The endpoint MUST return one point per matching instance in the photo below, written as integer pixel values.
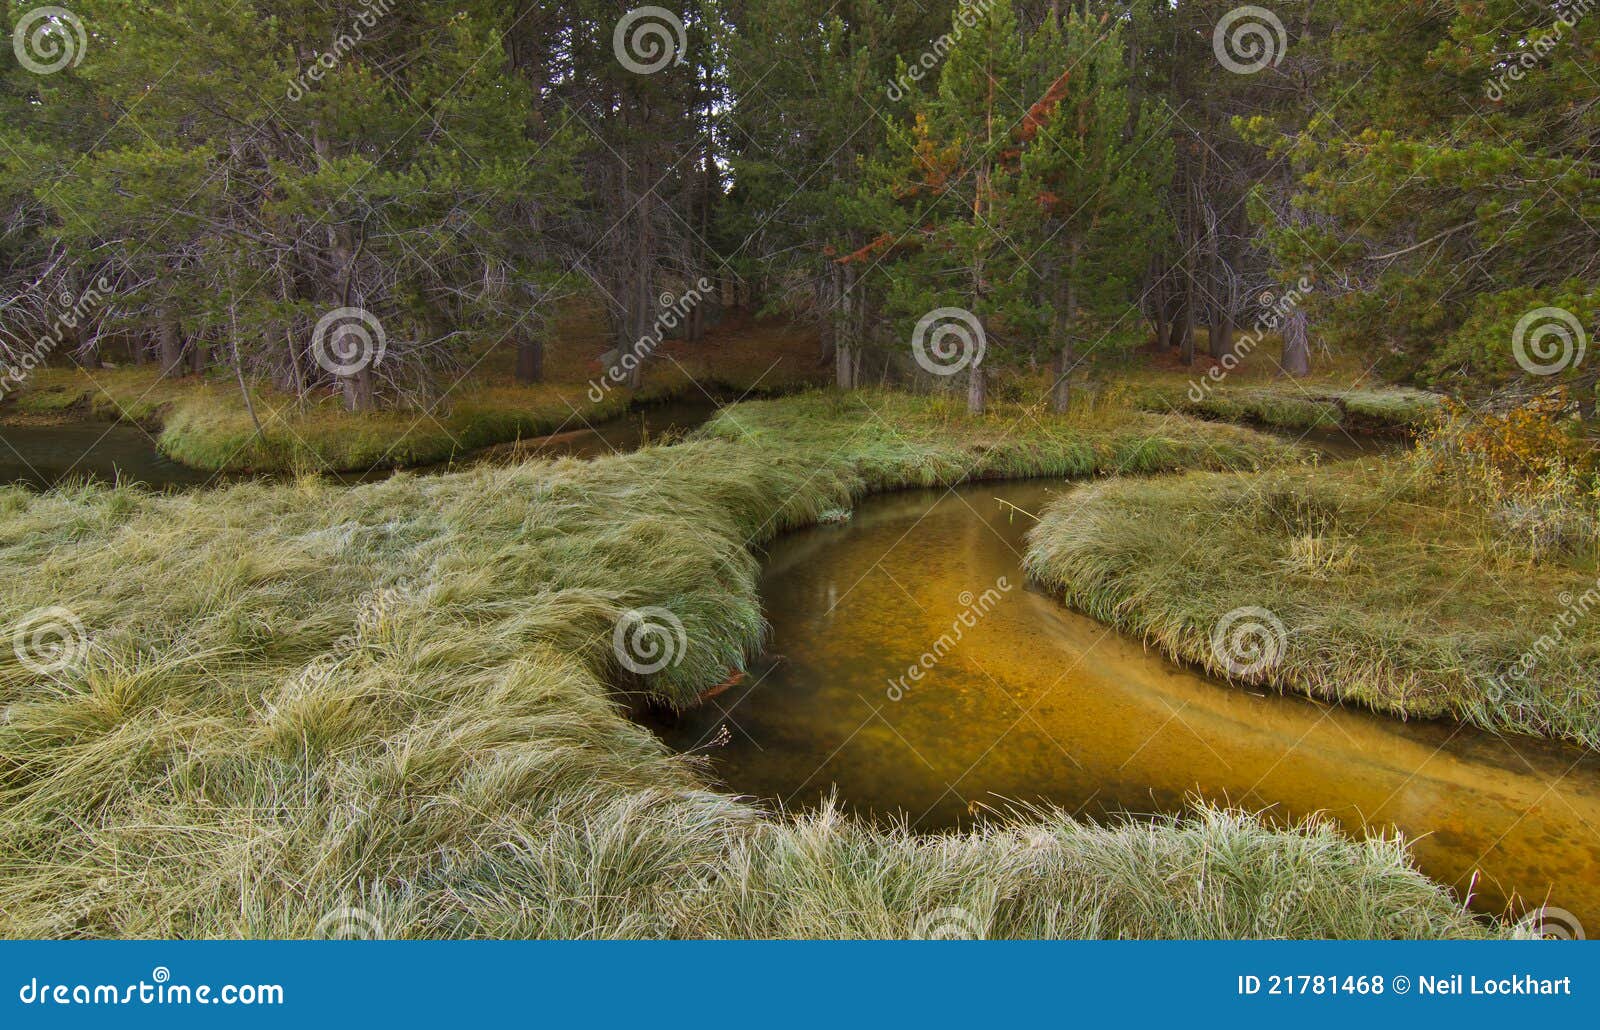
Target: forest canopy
(360, 198)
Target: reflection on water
(1038, 703)
(41, 456)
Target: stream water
(1034, 702)
(1038, 703)
(43, 455)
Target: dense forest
(362, 197)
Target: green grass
(1288, 404)
(204, 423)
(403, 697)
(1394, 591)
(1338, 392)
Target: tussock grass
(1395, 591)
(203, 423)
(403, 697)
(1255, 391)
(1287, 404)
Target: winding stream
(42, 456)
(1034, 702)
(1038, 703)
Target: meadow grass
(1395, 589)
(1338, 392)
(204, 423)
(404, 697)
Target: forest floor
(1390, 584)
(202, 422)
(280, 699)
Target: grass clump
(292, 698)
(1394, 587)
(204, 423)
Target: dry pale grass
(403, 697)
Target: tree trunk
(1066, 324)
(530, 357)
(1222, 333)
(1158, 308)
(356, 387)
(1186, 327)
(844, 366)
(977, 389)
(1296, 345)
(297, 372)
(1062, 395)
(171, 346)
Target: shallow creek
(1038, 703)
(43, 455)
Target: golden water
(1038, 703)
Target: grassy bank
(402, 697)
(1293, 405)
(1392, 589)
(204, 423)
(1255, 391)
